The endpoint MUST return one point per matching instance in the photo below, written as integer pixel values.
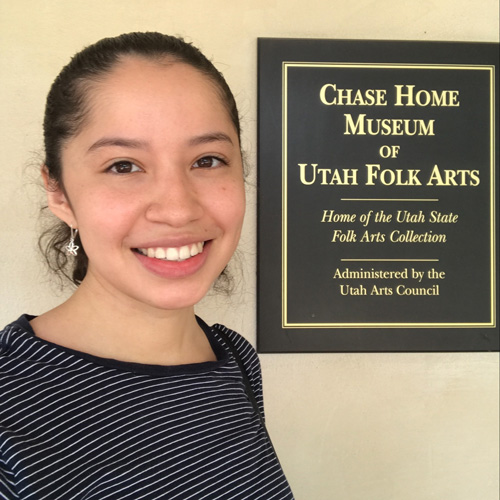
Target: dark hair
(67, 108)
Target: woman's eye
(209, 162)
(124, 167)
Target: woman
(121, 391)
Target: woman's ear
(56, 199)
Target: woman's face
(154, 184)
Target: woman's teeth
(171, 253)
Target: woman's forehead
(137, 72)
(144, 100)
(144, 80)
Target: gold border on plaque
(284, 235)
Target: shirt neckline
(138, 368)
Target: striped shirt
(73, 426)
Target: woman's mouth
(176, 254)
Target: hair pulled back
(67, 108)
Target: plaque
(377, 196)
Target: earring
(71, 248)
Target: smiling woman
(170, 177)
(125, 392)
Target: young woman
(121, 392)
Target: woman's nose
(174, 201)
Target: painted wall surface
(346, 426)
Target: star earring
(71, 248)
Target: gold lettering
(387, 126)
(330, 95)
(406, 96)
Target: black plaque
(378, 196)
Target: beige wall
(346, 426)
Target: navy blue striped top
(73, 426)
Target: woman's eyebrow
(210, 137)
(138, 144)
(119, 142)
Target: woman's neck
(98, 324)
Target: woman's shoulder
(11, 333)
(241, 344)
(228, 338)
(245, 351)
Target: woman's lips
(173, 253)
(173, 262)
